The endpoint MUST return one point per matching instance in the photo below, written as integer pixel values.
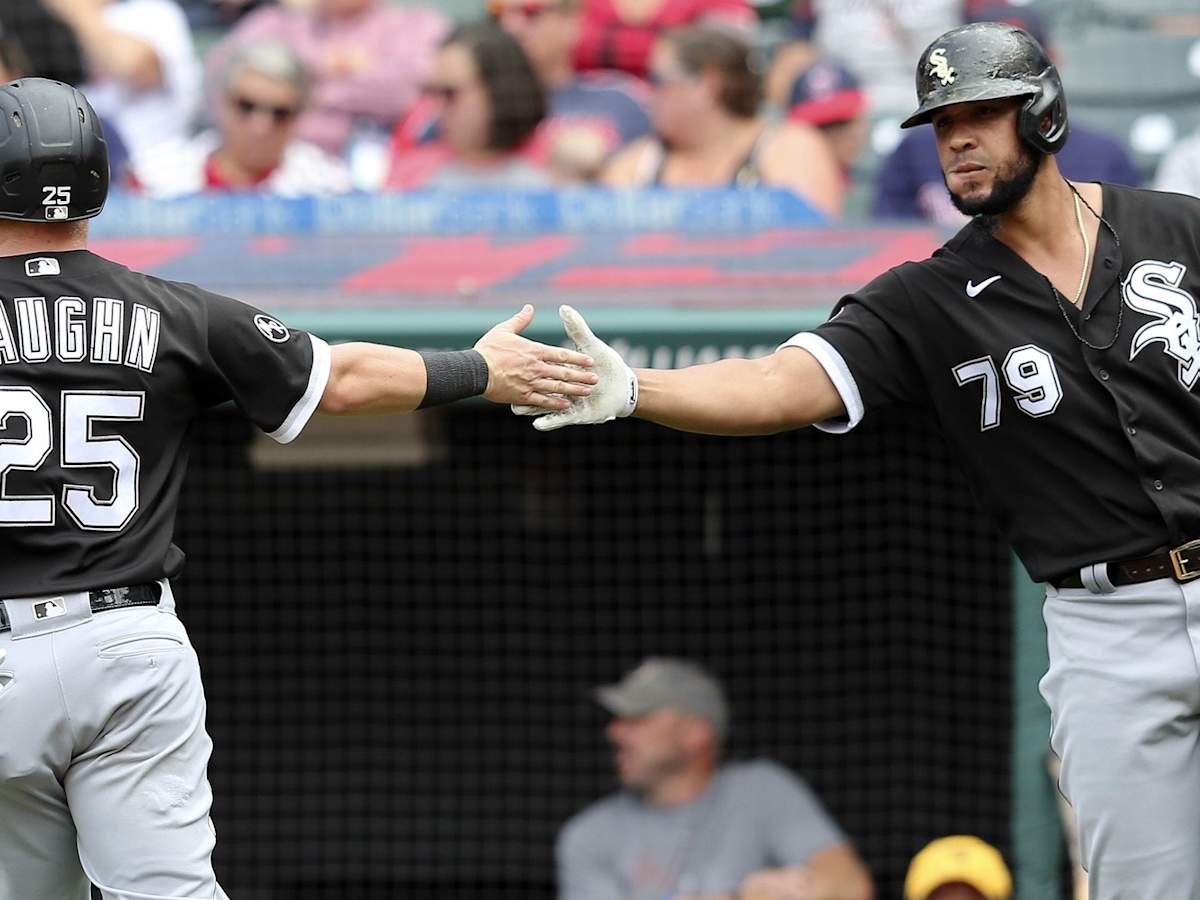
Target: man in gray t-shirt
(687, 828)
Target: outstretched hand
(524, 372)
(616, 391)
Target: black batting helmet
(990, 61)
(53, 158)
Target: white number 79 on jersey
(1031, 375)
(80, 448)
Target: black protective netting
(398, 658)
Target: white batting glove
(614, 396)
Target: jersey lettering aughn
(102, 371)
(1083, 454)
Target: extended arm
(110, 51)
(835, 873)
(369, 379)
(788, 389)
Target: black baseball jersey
(1083, 454)
(102, 372)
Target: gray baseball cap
(661, 682)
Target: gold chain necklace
(1087, 255)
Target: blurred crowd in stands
(312, 97)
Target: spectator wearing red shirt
(263, 92)
(489, 103)
(592, 114)
(710, 132)
(367, 59)
(620, 34)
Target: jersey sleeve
(865, 349)
(276, 375)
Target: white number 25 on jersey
(80, 447)
(1031, 375)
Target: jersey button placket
(1158, 485)
(1103, 375)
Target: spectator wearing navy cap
(911, 184)
(829, 97)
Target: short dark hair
(517, 97)
(702, 48)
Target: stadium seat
(1103, 65)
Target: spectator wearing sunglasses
(367, 60)
(710, 132)
(263, 93)
(489, 104)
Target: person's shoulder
(791, 134)
(595, 818)
(628, 167)
(760, 774)
(1135, 201)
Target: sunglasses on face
(280, 115)
(447, 93)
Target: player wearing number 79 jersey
(1055, 342)
(103, 751)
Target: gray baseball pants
(103, 756)
(1124, 695)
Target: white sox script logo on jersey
(1152, 287)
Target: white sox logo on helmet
(940, 66)
(1152, 287)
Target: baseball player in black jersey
(1054, 341)
(103, 751)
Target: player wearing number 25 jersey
(103, 751)
(1055, 341)
(108, 368)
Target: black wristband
(453, 375)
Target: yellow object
(959, 858)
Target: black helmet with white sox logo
(991, 61)
(53, 158)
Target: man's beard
(1009, 188)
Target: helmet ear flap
(1048, 101)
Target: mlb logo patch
(48, 609)
(43, 265)
(56, 213)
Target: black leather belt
(1181, 563)
(108, 599)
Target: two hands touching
(613, 392)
